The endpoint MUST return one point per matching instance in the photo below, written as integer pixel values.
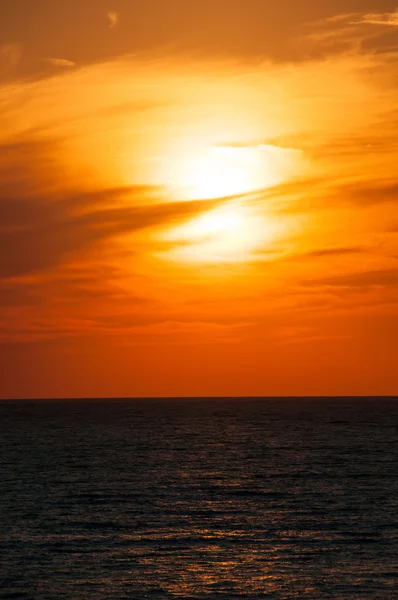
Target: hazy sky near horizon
(198, 198)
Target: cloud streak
(38, 235)
(379, 278)
(384, 19)
(62, 63)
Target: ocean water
(199, 498)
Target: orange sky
(198, 198)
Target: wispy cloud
(329, 252)
(355, 32)
(62, 63)
(363, 279)
(11, 54)
(38, 233)
(389, 19)
(113, 18)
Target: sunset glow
(228, 234)
(196, 203)
(226, 171)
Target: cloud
(113, 19)
(385, 278)
(11, 54)
(329, 252)
(62, 63)
(81, 211)
(354, 32)
(38, 234)
(373, 192)
(17, 295)
(386, 19)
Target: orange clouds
(96, 245)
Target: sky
(198, 198)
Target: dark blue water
(199, 499)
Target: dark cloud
(334, 251)
(326, 252)
(285, 255)
(372, 193)
(38, 234)
(364, 279)
(42, 225)
(12, 295)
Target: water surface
(199, 498)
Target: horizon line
(207, 397)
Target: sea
(212, 498)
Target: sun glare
(222, 171)
(227, 234)
(218, 174)
(234, 231)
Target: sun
(217, 174)
(235, 229)
(230, 233)
(220, 171)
